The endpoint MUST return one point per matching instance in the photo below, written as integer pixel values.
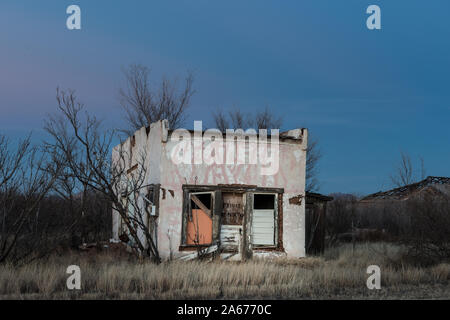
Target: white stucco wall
(171, 176)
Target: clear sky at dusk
(364, 94)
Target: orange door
(199, 230)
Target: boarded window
(263, 219)
(199, 222)
(233, 208)
(232, 218)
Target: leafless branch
(25, 179)
(404, 173)
(145, 104)
(266, 119)
(82, 148)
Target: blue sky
(364, 94)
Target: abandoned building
(239, 209)
(433, 186)
(387, 211)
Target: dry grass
(341, 273)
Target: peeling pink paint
(290, 177)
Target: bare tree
(26, 176)
(266, 119)
(404, 173)
(85, 209)
(341, 219)
(313, 156)
(237, 119)
(221, 121)
(83, 149)
(145, 104)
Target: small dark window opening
(151, 195)
(205, 199)
(264, 201)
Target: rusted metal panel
(297, 200)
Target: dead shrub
(427, 233)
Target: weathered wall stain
(161, 170)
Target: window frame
(187, 211)
(189, 215)
(276, 218)
(248, 191)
